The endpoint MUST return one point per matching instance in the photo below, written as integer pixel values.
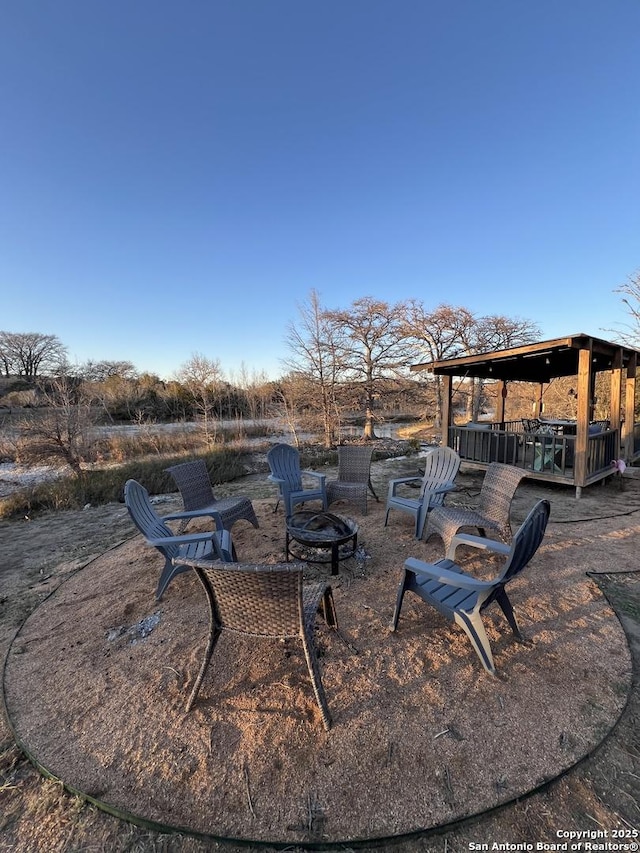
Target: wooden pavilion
(576, 453)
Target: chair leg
(168, 573)
(399, 598)
(421, 520)
(328, 608)
(386, 518)
(502, 600)
(214, 633)
(472, 625)
(316, 680)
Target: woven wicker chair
(284, 464)
(192, 479)
(462, 597)
(264, 601)
(213, 545)
(441, 469)
(493, 512)
(354, 476)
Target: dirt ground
(421, 736)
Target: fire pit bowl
(322, 536)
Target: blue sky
(176, 177)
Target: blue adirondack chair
(441, 469)
(212, 545)
(284, 463)
(461, 597)
(192, 479)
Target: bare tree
(202, 377)
(452, 331)
(61, 433)
(373, 345)
(257, 391)
(286, 405)
(497, 332)
(29, 354)
(630, 332)
(315, 343)
(442, 333)
(99, 371)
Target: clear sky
(175, 177)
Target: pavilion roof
(538, 362)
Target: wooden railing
(543, 453)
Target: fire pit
(324, 537)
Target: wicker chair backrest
(498, 488)
(263, 600)
(192, 478)
(354, 463)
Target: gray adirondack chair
(354, 476)
(461, 597)
(212, 545)
(493, 511)
(264, 601)
(441, 468)
(284, 464)
(192, 479)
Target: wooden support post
(446, 409)
(628, 427)
(616, 398)
(539, 403)
(501, 400)
(585, 370)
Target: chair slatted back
(143, 515)
(146, 519)
(531, 424)
(441, 466)
(192, 478)
(284, 463)
(526, 540)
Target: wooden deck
(545, 457)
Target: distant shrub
(105, 485)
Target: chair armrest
(196, 513)
(439, 572)
(184, 539)
(405, 480)
(273, 479)
(480, 542)
(399, 481)
(320, 477)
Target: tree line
(338, 360)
